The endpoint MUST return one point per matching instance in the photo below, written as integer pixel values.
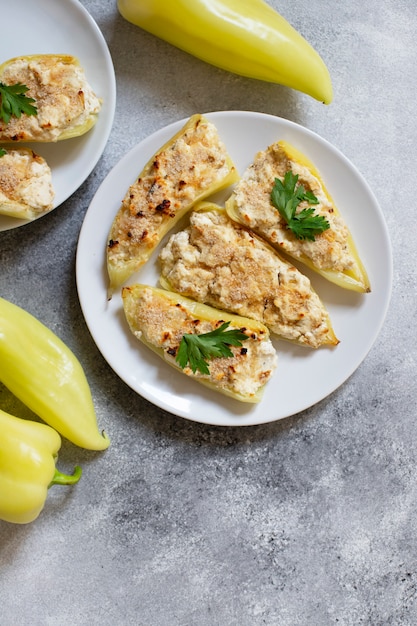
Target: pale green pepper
(28, 453)
(40, 370)
(247, 37)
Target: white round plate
(51, 27)
(304, 376)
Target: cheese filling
(218, 262)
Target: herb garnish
(14, 102)
(286, 196)
(2, 152)
(197, 349)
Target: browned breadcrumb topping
(11, 177)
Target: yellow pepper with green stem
(40, 370)
(28, 453)
(246, 37)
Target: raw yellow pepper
(28, 453)
(246, 37)
(40, 370)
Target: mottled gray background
(305, 522)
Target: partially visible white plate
(303, 377)
(65, 27)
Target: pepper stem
(66, 479)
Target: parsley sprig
(198, 349)
(2, 152)
(286, 196)
(14, 102)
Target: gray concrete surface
(308, 521)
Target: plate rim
(234, 420)
(100, 138)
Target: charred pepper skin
(40, 370)
(246, 37)
(28, 453)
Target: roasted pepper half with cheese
(246, 37)
(192, 165)
(282, 197)
(45, 98)
(40, 370)
(228, 353)
(28, 453)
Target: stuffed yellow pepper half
(228, 353)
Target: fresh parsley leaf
(306, 224)
(2, 152)
(196, 350)
(286, 196)
(14, 102)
